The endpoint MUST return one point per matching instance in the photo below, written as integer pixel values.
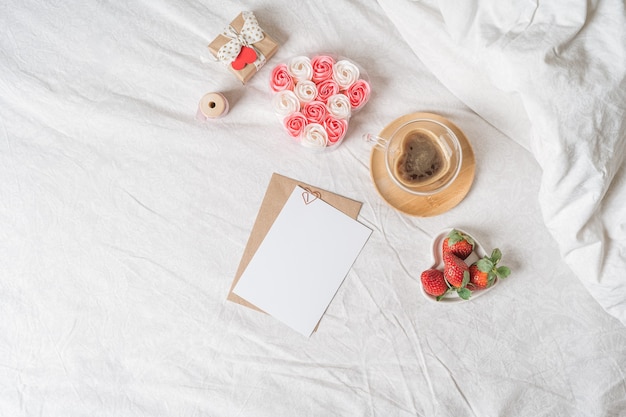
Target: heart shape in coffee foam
(478, 253)
(246, 56)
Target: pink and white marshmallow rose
(322, 66)
(281, 79)
(315, 98)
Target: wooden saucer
(416, 205)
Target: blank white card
(302, 261)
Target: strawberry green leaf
(454, 236)
(464, 293)
(496, 255)
(503, 271)
(485, 264)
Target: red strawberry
(454, 269)
(456, 273)
(458, 243)
(434, 283)
(478, 279)
(484, 272)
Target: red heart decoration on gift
(246, 56)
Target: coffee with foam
(422, 156)
(421, 160)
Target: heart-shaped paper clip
(310, 196)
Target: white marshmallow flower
(345, 73)
(314, 136)
(306, 91)
(339, 106)
(300, 68)
(285, 103)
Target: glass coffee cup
(422, 157)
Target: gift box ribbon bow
(239, 51)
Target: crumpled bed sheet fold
(551, 75)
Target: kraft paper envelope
(302, 261)
(277, 194)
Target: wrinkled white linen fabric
(552, 76)
(123, 220)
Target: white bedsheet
(123, 220)
(553, 77)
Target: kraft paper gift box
(233, 46)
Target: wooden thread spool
(212, 106)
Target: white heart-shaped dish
(478, 253)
